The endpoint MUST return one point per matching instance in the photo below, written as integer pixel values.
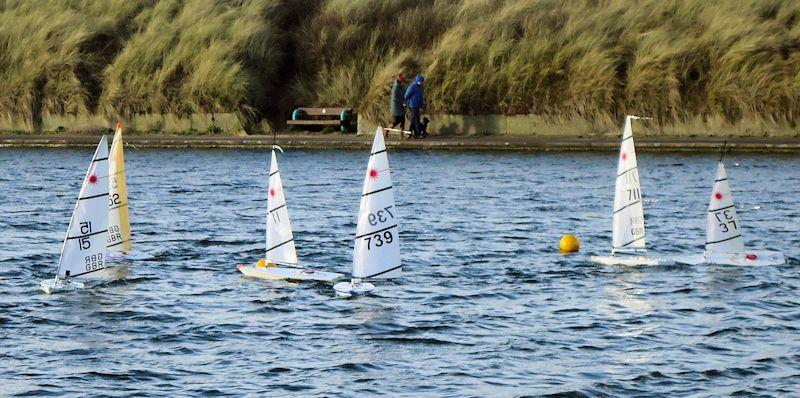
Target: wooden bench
(342, 117)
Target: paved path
(532, 143)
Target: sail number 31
(725, 221)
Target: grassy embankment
(728, 67)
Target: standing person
(398, 104)
(415, 97)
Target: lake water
(486, 306)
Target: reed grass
(593, 60)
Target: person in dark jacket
(415, 98)
(398, 104)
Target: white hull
(692, 259)
(296, 274)
(350, 289)
(53, 286)
(631, 260)
(750, 258)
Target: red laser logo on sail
(272, 192)
(718, 196)
(373, 174)
(93, 179)
(624, 156)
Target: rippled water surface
(486, 306)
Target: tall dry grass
(593, 60)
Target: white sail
(119, 224)
(377, 244)
(84, 249)
(628, 228)
(722, 228)
(280, 242)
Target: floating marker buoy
(261, 263)
(569, 244)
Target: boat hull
(55, 286)
(296, 274)
(350, 289)
(631, 261)
(695, 259)
(750, 258)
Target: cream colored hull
(295, 274)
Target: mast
(84, 249)
(628, 217)
(280, 240)
(376, 253)
(119, 224)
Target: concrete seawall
(351, 141)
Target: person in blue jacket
(415, 98)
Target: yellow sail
(119, 223)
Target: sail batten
(84, 249)
(376, 253)
(280, 241)
(119, 221)
(628, 215)
(723, 232)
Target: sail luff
(628, 217)
(723, 232)
(280, 240)
(84, 248)
(119, 224)
(376, 252)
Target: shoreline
(352, 141)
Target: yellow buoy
(569, 244)
(261, 263)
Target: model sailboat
(377, 244)
(280, 241)
(628, 217)
(119, 221)
(83, 253)
(724, 242)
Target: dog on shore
(424, 125)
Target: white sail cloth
(84, 250)
(628, 221)
(119, 223)
(722, 226)
(280, 242)
(628, 218)
(724, 241)
(377, 244)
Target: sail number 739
(379, 239)
(380, 216)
